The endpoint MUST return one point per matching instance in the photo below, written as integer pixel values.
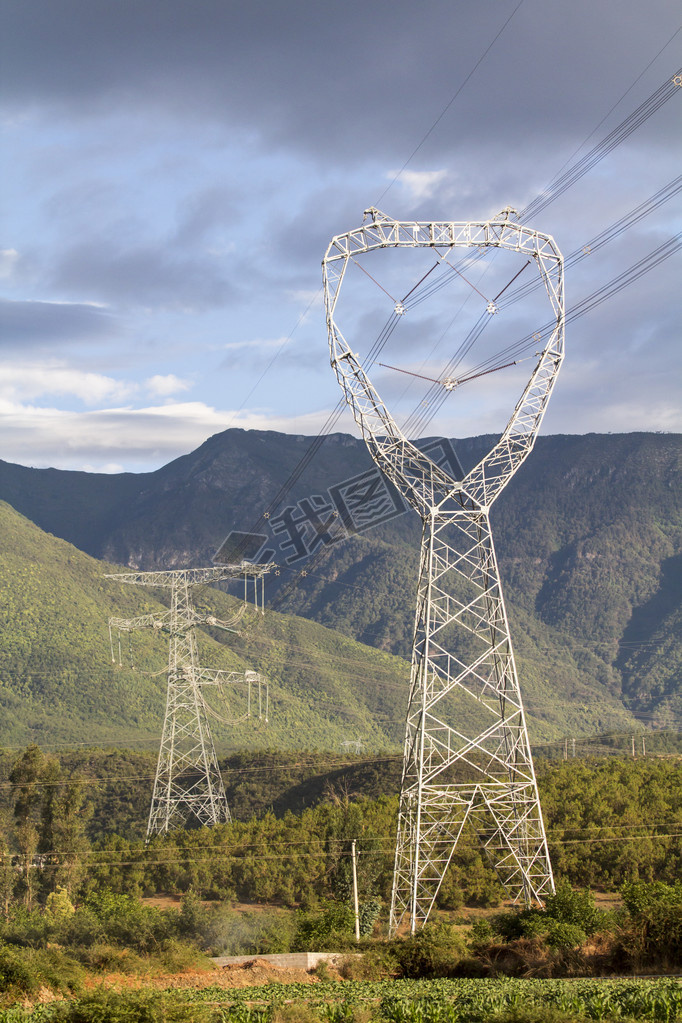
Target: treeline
(117, 784)
(608, 822)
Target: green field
(439, 1001)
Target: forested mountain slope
(588, 535)
(58, 682)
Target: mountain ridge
(588, 536)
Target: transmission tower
(188, 785)
(466, 755)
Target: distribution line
(238, 856)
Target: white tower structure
(467, 756)
(188, 786)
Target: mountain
(588, 536)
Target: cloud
(151, 275)
(8, 261)
(420, 184)
(141, 439)
(44, 323)
(187, 165)
(283, 71)
(258, 343)
(163, 386)
(20, 383)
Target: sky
(174, 172)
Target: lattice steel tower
(188, 785)
(466, 754)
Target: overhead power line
(565, 181)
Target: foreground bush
(24, 971)
(434, 951)
(130, 1007)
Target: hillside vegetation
(83, 919)
(58, 682)
(588, 535)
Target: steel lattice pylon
(462, 664)
(188, 785)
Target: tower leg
(467, 756)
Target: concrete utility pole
(356, 906)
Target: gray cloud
(176, 157)
(359, 78)
(46, 323)
(151, 275)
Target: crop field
(426, 1001)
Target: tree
(64, 841)
(6, 876)
(26, 777)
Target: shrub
(565, 936)
(83, 928)
(378, 962)
(193, 921)
(653, 938)
(570, 906)
(434, 951)
(108, 958)
(15, 972)
(58, 906)
(256, 933)
(27, 928)
(176, 956)
(126, 921)
(368, 915)
(25, 970)
(130, 1007)
(640, 895)
(482, 933)
(327, 931)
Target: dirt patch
(250, 974)
(162, 901)
(175, 901)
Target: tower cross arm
(192, 576)
(150, 621)
(218, 677)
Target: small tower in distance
(188, 787)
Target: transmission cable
(565, 181)
(448, 105)
(619, 134)
(594, 244)
(590, 302)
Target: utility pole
(188, 786)
(451, 773)
(356, 907)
